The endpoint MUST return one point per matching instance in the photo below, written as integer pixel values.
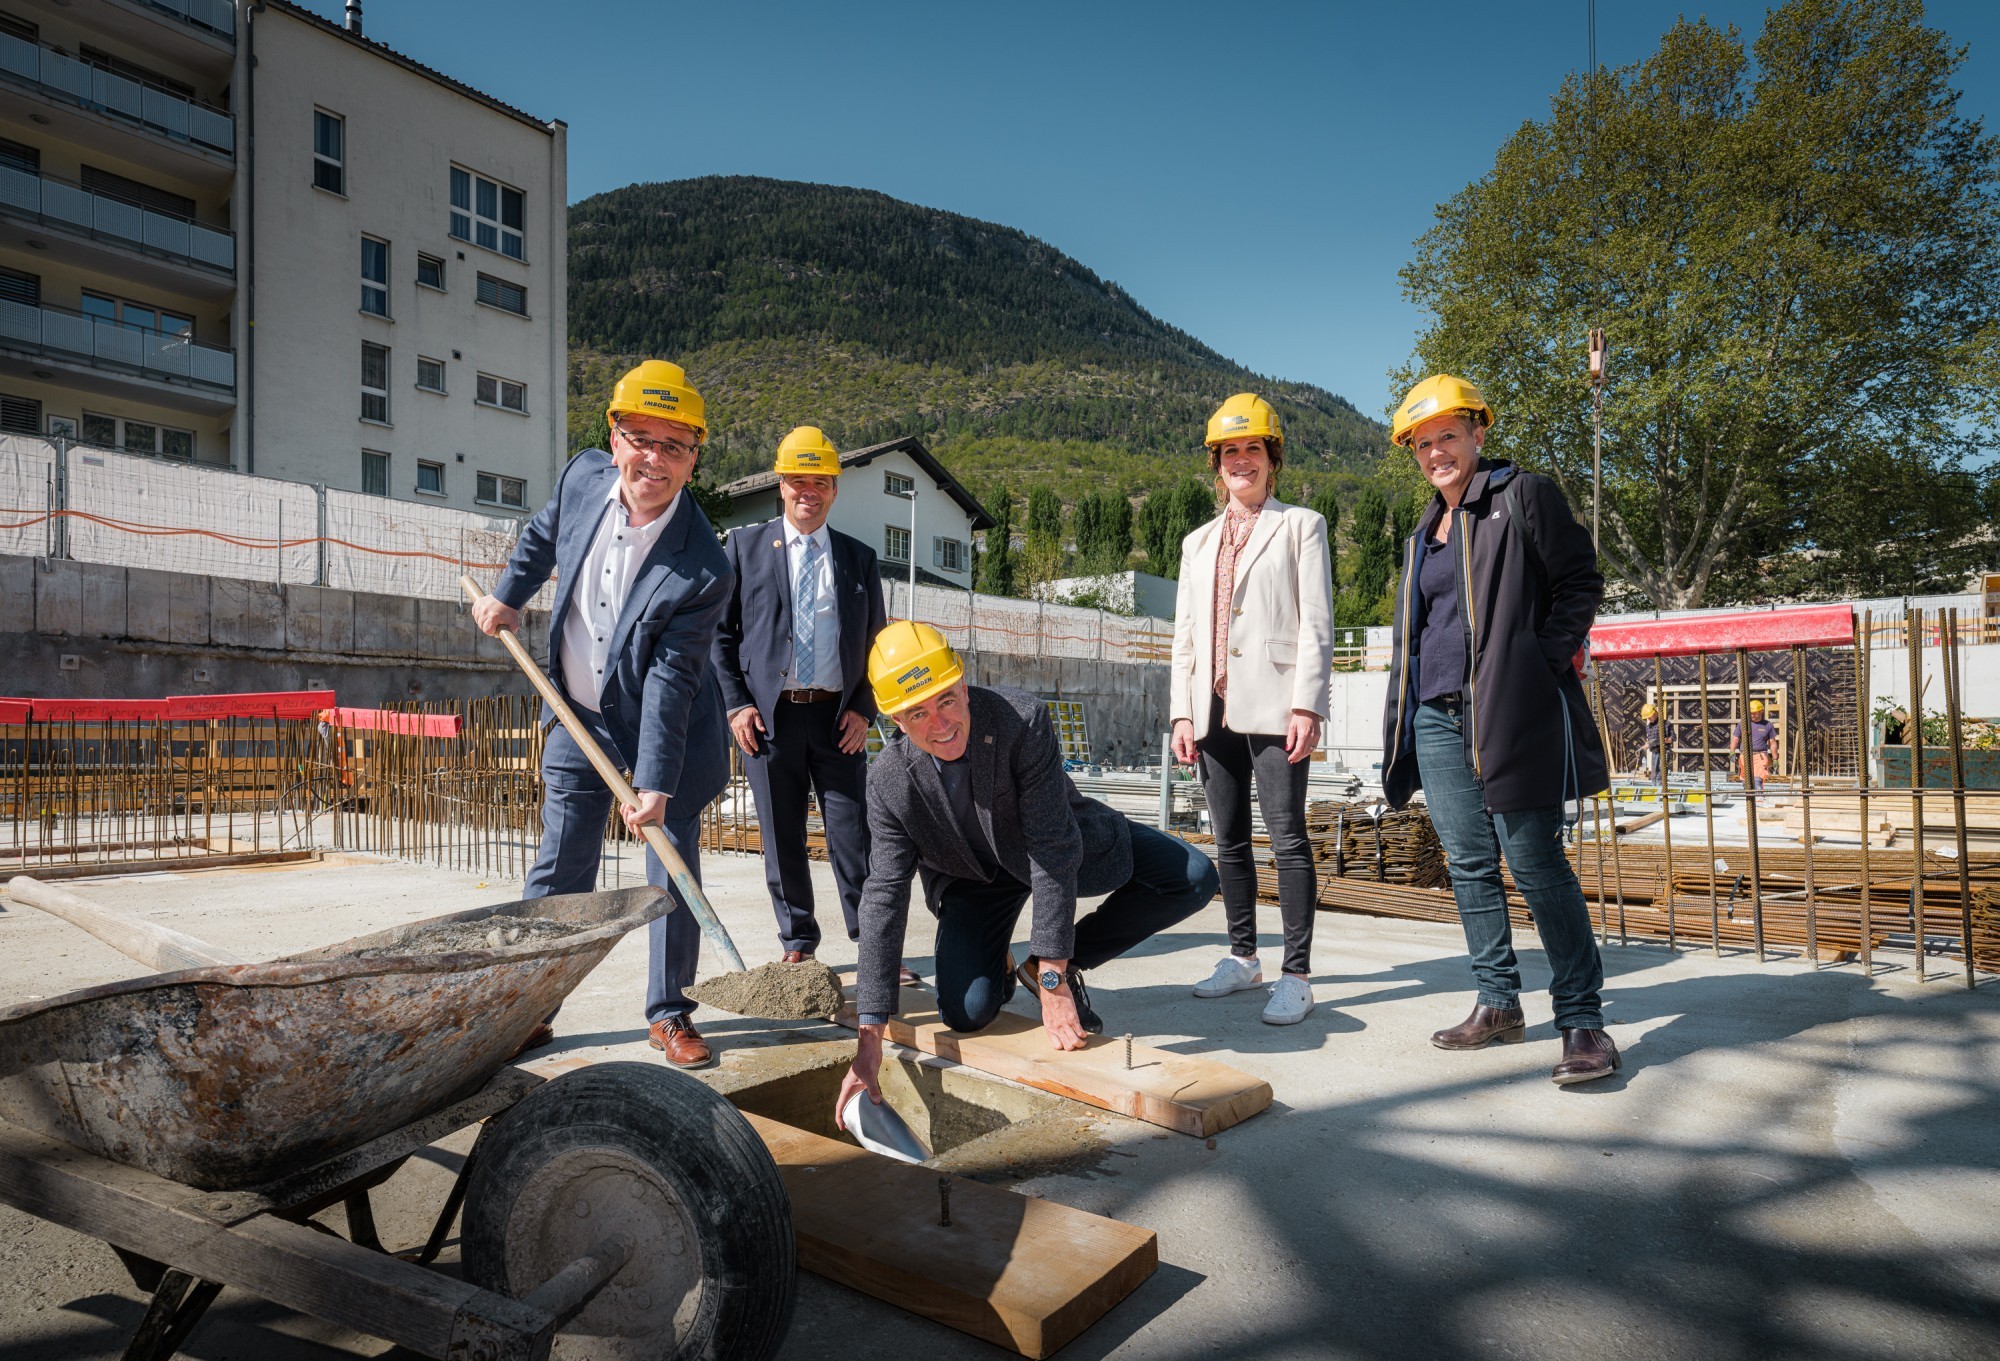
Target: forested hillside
(792, 303)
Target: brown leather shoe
(796, 956)
(1587, 1056)
(683, 1045)
(1483, 1027)
(908, 976)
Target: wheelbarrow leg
(361, 1223)
(171, 1317)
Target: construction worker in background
(972, 797)
(641, 583)
(1650, 764)
(1491, 721)
(791, 654)
(1757, 768)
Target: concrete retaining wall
(91, 631)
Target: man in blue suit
(641, 583)
(792, 658)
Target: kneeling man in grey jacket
(973, 797)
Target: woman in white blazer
(1253, 658)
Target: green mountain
(798, 304)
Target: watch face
(1050, 980)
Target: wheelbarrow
(194, 1120)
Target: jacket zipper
(1403, 674)
(1462, 532)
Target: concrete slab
(444, 631)
(319, 619)
(385, 626)
(58, 599)
(1794, 1163)
(246, 614)
(190, 612)
(17, 587)
(148, 604)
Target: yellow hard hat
(1438, 395)
(1648, 711)
(657, 388)
(1245, 416)
(909, 663)
(808, 450)
(1756, 706)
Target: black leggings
(1228, 762)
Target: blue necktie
(805, 609)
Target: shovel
(621, 790)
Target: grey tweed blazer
(1045, 834)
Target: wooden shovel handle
(157, 947)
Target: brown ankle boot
(1484, 1026)
(1587, 1056)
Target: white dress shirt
(826, 620)
(603, 580)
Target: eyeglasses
(646, 444)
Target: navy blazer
(660, 702)
(753, 647)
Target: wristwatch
(1050, 980)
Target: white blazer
(1281, 630)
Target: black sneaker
(1028, 972)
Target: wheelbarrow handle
(153, 945)
(621, 788)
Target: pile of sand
(805, 991)
(485, 933)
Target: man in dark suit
(640, 585)
(973, 797)
(792, 658)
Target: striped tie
(805, 608)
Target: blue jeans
(1474, 840)
(576, 811)
(1170, 882)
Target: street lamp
(1597, 357)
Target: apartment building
(243, 235)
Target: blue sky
(1253, 173)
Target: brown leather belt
(808, 696)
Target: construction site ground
(1792, 1164)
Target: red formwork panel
(258, 704)
(14, 710)
(96, 710)
(392, 721)
(1750, 630)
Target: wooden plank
(1181, 1092)
(105, 869)
(1020, 1272)
(156, 946)
(286, 1263)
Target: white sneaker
(1291, 1001)
(1232, 974)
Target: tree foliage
(1374, 548)
(1102, 524)
(1795, 264)
(1044, 516)
(1169, 516)
(996, 564)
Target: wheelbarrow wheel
(636, 1152)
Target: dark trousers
(1229, 760)
(576, 808)
(802, 755)
(1474, 841)
(1170, 882)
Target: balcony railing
(149, 106)
(216, 16)
(106, 344)
(48, 199)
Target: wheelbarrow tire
(655, 1157)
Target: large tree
(1797, 264)
(996, 564)
(1169, 516)
(1102, 523)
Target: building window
(20, 415)
(495, 490)
(430, 374)
(898, 485)
(502, 392)
(430, 272)
(137, 437)
(895, 544)
(329, 152)
(106, 184)
(487, 214)
(430, 478)
(375, 383)
(374, 276)
(948, 554)
(503, 295)
(374, 473)
(137, 316)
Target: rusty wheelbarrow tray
(194, 1120)
(235, 1075)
